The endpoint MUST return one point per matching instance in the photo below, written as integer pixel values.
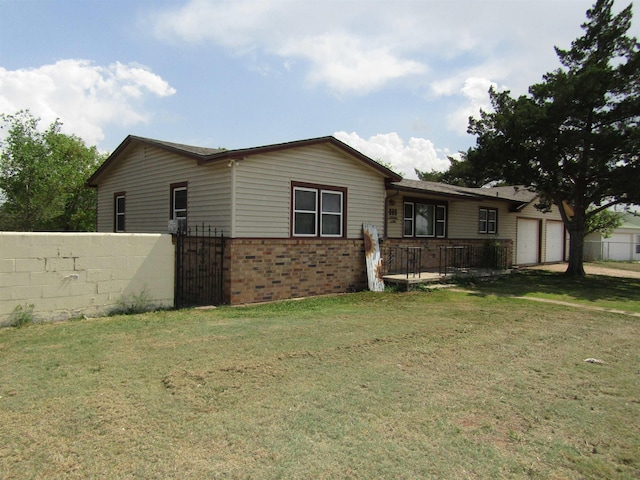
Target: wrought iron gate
(199, 267)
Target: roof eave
(92, 181)
(420, 191)
(244, 152)
(241, 153)
(515, 205)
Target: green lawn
(617, 293)
(392, 385)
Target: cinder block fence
(68, 275)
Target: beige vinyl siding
(145, 174)
(464, 219)
(263, 189)
(395, 225)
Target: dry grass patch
(418, 385)
(628, 266)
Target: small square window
(488, 220)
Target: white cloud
(229, 23)
(360, 61)
(347, 64)
(475, 94)
(362, 46)
(84, 96)
(418, 153)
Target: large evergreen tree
(575, 138)
(42, 178)
(461, 172)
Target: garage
(554, 242)
(527, 241)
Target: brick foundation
(431, 248)
(261, 270)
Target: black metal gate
(199, 267)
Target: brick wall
(275, 269)
(431, 248)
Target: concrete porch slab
(430, 277)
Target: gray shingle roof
(204, 151)
(205, 155)
(512, 194)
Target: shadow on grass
(593, 288)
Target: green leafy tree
(575, 138)
(42, 177)
(604, 222)
(429, 176)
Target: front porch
(434, 277)
(409, 265)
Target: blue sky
(395, 79)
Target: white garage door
(554, 246)
(528, 241)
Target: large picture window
(318, 211)
(119, 212)
(488, 220)
(425, 220)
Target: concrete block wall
(277, 269)
(67, 275)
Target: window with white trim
(488, 220)
(119, 212)
(318, 211)
(179, 203)
(425, 220)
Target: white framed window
(408, 220)
(305, 212)
(179, 203)
(331, 213)
(119, 204)
(318, 211)
(488, 220)
(441, 221)
(425, 220)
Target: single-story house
(622, 245)
(292, 213)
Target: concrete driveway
(590, 270)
